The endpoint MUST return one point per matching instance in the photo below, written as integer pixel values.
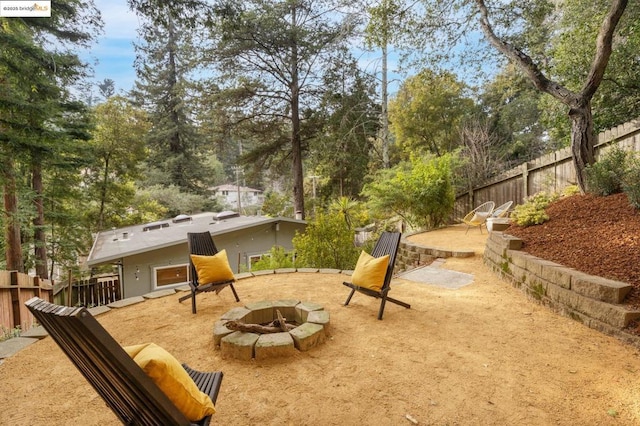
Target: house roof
(110, 246)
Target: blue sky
(112, 57)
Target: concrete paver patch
(36, 332)
(14, 345)
(435, 275)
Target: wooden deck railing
(16, 288)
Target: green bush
(8, 333)
(570, 190)
(328, 242)
(277, 205)
(421, 192)
(532, 211)
(631, 185)
(606, 176)
(277, 258)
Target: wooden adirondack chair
(201, 243)
(387, 244)
(125, 387)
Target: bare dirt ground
(479, 355)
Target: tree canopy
(427, 111)
(274, 94)
(277, 53)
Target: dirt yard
(478, 355)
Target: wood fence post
(15, 299)
(93, 292)
(525, 180)
(69, 290)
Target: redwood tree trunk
(39, 237)
(13, 253)
(583, 140)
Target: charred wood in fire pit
(282, 322)
(275, 326)
(256, 328)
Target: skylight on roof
(226, 215)
(155, 225)
(181, 218)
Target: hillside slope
(596, 235)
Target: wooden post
(69, 290)
(525, 181)
(15, 299)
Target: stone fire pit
(311, 322)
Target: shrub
(276, 205)
(421, 192)
(606, 176)
(532, 211)
(631, 185)
(328, 242)
(570, 190)
(8, 333)
(277, 258)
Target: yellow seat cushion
(212, 269)
(169, 375)
(370, 271)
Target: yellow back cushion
(167, 373)
(212, 269)
(370, 271)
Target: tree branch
(604, 44)
(524, 61)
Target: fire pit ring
(312, 325)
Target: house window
(165, 276)
(255, 258)
(225, 193)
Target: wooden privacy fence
(552, 172)
(95, 291)
(15, 289)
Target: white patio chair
(478, 216)
(502, 210)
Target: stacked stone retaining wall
(594, 301)
(412, 255)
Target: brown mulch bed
(596, 235)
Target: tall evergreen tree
(164, 88)
(345, 150)
(277, 52)
(384, 19)
(38, 124)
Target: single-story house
(155, 256)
